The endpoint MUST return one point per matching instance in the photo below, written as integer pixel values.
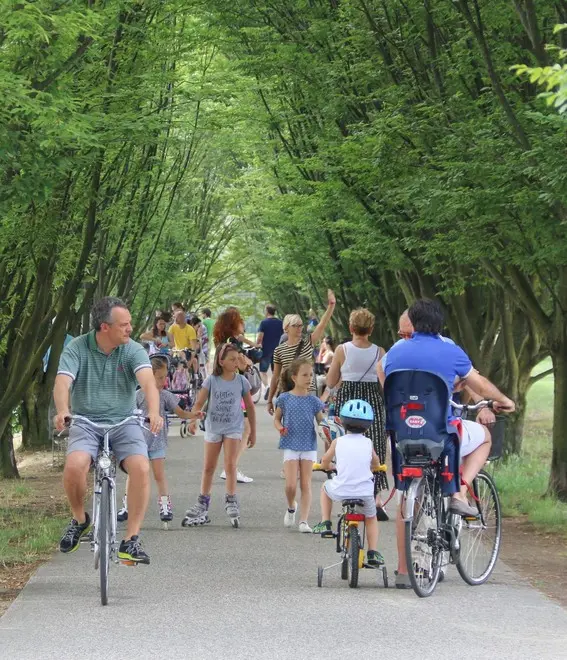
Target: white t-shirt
(354, 474)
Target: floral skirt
(372, 394)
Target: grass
(522, 480)
(31, 519)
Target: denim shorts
(158, 453)
(128, 440)
(369, 507)
(216, 437)
(265, 363)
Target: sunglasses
(296, 325)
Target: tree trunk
(514, 434)
(35, 416)
(8, 467)
(558, 475)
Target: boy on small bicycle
(355, 460)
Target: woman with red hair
(229, 329)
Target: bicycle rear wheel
(423, 539)
(354, 553)
(480, 539)
(104, 539)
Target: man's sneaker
(75, 531)
(165, 508)
(289, 518)
(402, 581)
(374, 558)
(131, 550)
(123, 513)
(324, 528)
(232, 509)
(198, 514)
(304, 527)
(243, 479)
(464, 509)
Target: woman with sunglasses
(297, 346)
(355, 366)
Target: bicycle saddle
(352, 502)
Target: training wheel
(320, 576)
(385, 576)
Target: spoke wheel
(104, 540)
(353, 555)
(480, 539)
(422, 540)
(256, 397)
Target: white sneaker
(223, 474)
(289, 518)
(304, 528)
(242, 478)
(282, 474)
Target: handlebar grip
(317, 466)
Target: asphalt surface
(217, 592)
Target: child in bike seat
(355, 460)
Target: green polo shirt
(104, 386)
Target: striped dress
(369, 390)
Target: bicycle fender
(409, 500)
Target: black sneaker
(75, 531)
(131, 550)
(374, 558)
(325, 529)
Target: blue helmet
(357, 413)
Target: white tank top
(360, 363)
(354, 475)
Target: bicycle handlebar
(485, 403)
(317, 467)
(104, 427)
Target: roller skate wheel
(126, 562)
(320, 576)
(385, 576)
(165, 525)
(235, 522)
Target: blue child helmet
(357, 413)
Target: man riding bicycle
(102, 369)
(427, 350)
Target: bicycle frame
(105, 470)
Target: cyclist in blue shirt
(427, 351)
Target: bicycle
(350, 539)
(432, 530)
(103, 534)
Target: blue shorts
(266, 361)
(158, 453)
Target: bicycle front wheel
(480, 539)
(104, 540)
(423, 539)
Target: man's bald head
(405, 327)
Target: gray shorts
(368, 508)
(128, 440)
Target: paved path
(215, 592)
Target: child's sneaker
(122, 515)
(165, 508)
(325, 529)
(289, 518)
(374, 558)
(232, 510)
(304, 527)
(198, 514)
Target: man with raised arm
(101, 370)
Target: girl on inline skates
(296, 411)
(157, 444)
(224, 427)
